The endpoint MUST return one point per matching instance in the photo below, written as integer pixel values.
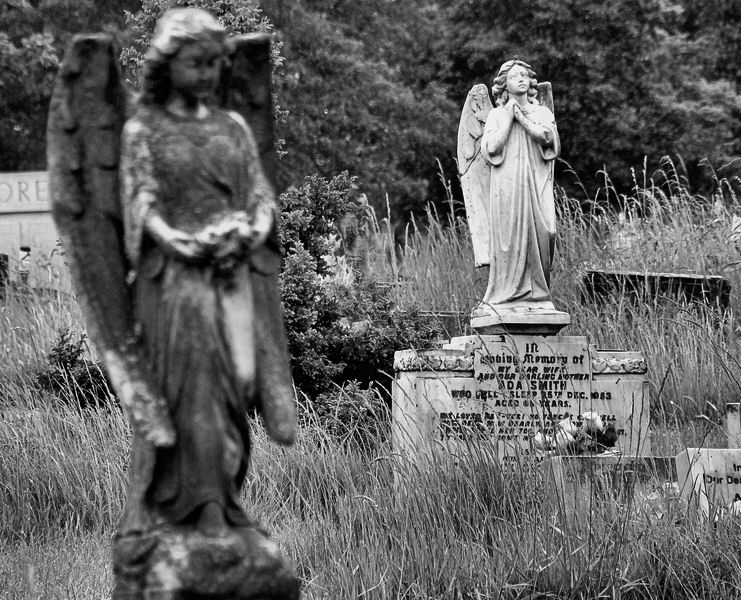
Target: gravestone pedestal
(520, 319)
(506, 390)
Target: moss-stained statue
(168, 220)
(505, 160)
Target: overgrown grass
(358, 521)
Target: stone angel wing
(86, 115)
(246, 89)
(545, 95)
(473, 169)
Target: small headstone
(28, 237)
(711, 478)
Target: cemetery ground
(360, 523)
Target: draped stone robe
(196, 320)
(522, 212)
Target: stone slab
(583, 468)
(521, 321)
(620, 396)
(639, 286)
(26, 221)
(575, 483)
(711, 479)
(505, 389)
(180, 562)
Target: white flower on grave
(567, 425)
(592, 422)
(542, 441)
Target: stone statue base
(533, 318)
(181, 563)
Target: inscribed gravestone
(712, 477)
(507, 389)
(516, 385)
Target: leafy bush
(337, 331)
(72, 378)
(371, 327)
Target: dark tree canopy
(628, 81)
(375, 87)
(34, 35)
(362, 93)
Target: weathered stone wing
(246, 89)
(545, 95)
(474, 170)
(86, 117)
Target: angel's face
(195, 70)
(518, 80)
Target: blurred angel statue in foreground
(181, 293)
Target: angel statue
(505, 160)
(169, 223)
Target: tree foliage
(237, 16)
(375, 87)
(33, 37)
(337, 330)
(626, 77)
(360, 89)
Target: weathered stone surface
(710, 478)
(182, 563)
(521, 320)
(25, 221)
(733, 424)
(575, 483)
(643, 286)
(619, 392)
(508, 389)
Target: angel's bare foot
(211, 520)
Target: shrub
(337, 330)
(72, 378)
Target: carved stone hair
(499, 83)
(174, 29)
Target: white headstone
(711, 477)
